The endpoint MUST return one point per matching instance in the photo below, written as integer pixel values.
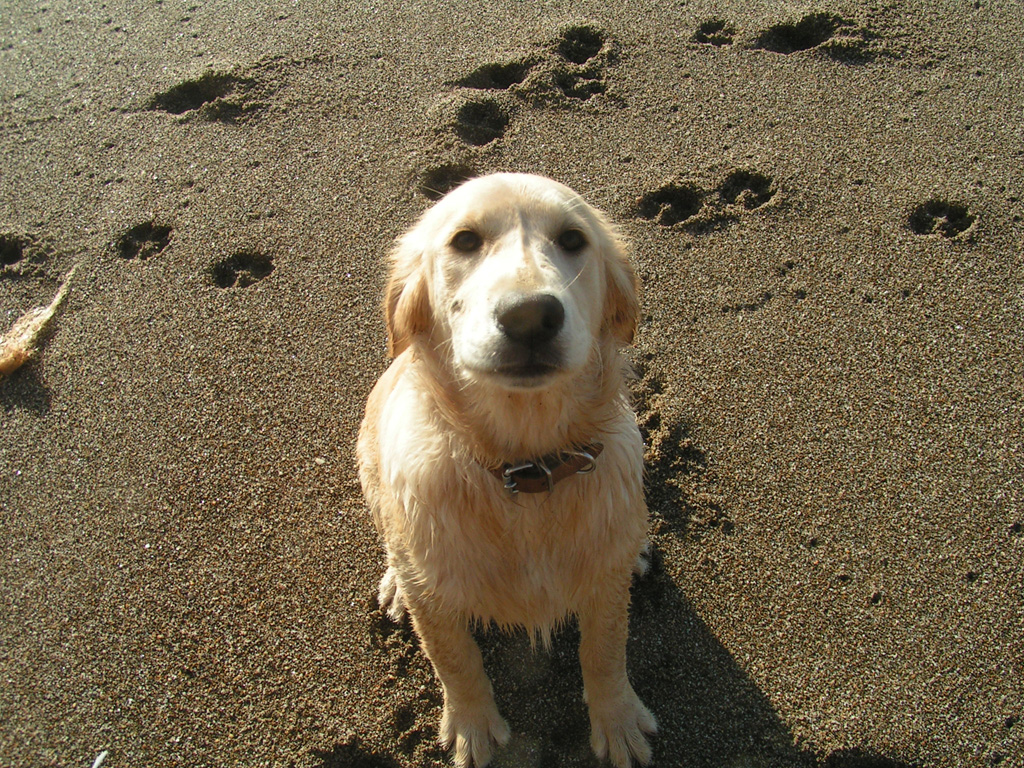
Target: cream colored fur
(461, 551)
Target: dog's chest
(531, 558)
(462, 541)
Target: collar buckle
(541, 474)
(511, 470)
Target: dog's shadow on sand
(709, 712)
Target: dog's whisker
(577, 276)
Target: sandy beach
(824, 202)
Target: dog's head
(514, 279)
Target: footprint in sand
(242, 269)
(827, 33)
(438, 182)
(497, 77)
(580, 44)
(143, 241)
(755, 305)
(714, 32)
(940, 217)
(12, 248)
(23, 255)
(407, 727)
(480, 122)
(580, 73)
(749, 189)
(213, 96)
(572, 67)
(670, 454)
(580, 85)
(671, 204)
(786, 283)
(685, 203)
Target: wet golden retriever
(499, 453)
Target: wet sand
(825, 208)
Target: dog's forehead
(502, 196)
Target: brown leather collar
(541, 474)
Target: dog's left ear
(621, 307)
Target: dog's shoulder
(403, 434)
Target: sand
(825, 206)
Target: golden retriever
(499, 453)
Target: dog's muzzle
(530, 325)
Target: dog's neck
(500, 425)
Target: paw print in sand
(143, 241)
(940, 217)
(213, 97)
(242, 269)
(714, 32)
(827, 33)
(684, 203)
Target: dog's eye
(466, 241)
(572, 240)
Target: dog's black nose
(531, 320)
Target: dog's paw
(643, 560)
(472, 731)
(617, 730)
(390, 597)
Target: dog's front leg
(470, 721)
(618, 719)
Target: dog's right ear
(406, 298)
(622, 308)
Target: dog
(499, 453)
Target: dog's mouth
(526, 370)
(531, 374)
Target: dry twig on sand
(19, 343)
